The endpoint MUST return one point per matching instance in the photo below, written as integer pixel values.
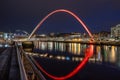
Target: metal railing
(26, 62)
(37, 72)
(23, 74)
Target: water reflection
(102, 53)
(50, 46)
(118, 56)
(72, 48)
(112, 55)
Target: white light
(67, 58)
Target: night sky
(99, 15)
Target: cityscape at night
(59, 40)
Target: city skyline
(25, 15)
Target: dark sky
(99, 15)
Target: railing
(37, 72)
(23, 75)
(28, 70)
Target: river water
(61, 54)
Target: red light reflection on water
(89, 51)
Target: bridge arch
(89, 50)
(23, 31)
(61, 10)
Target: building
(115, 31)
(1, 34)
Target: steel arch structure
(61, 10)
(89, 51)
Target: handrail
(38, 71)
(40, 75)
(23, 75)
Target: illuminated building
(115, 31)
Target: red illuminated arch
(61, 10)
(89, 51)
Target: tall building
(115, 31)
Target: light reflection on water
(102, 53)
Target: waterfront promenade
(9, 69)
